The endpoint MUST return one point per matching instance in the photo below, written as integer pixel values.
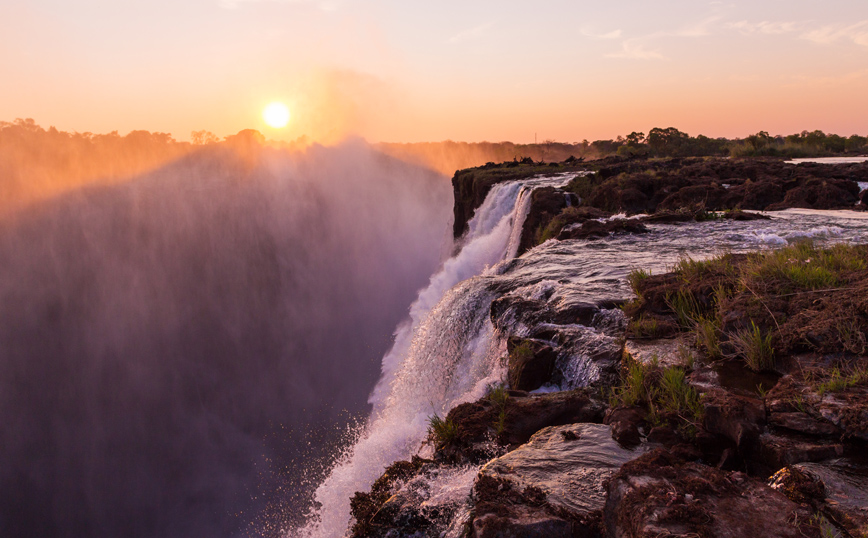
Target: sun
(276, 115)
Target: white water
(444, 355)
(829, 160)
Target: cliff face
(677, 444)
(671, 189)
(693, 393)
(470, 186)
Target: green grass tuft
(838, 381)
(442, 432)
(499, 397)
(686, 308)
(645, 327)
(755, 347)
(707, 332)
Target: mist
(181, 350)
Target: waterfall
(444, 354)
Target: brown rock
(779, 451)
(659, 494)
(739, 419)
(838, 489)
(554, 482)
(804, 423)
(531, 364)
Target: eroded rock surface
(660, 494)
(561, 475)
(838, 489)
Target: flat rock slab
(570, 464)
(667, 351)
(779, 451)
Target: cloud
(634, 50)
(325, 5)
(857, 33)
(637, 49)
(766, 27)
(699, 29)
(614, 34)
(830, 81)
(471, 33)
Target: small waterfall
(445, 354)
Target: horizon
(389, 72)
(304, 139)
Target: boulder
(594, 229)
(660, 494)
(554, 484)
(804, 423)
(838, 489)
(625, 423)
(483, 424)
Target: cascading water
(445, 354)
(448, 353)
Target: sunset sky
(470, 70)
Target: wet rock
(666, 351)
(759, 195)
(737, 214)
(554, 482)
(739, 419)
(512, 310)
(669, 217)
(587, 357)
(424, 504)
(625, 423)
(531, 363)
(594, 229)
(525, 522)
(664, 435)
(781, 450)
(708, 195)
(530, 415)
(574, 312)
(817, 193)
(804, 423)
(838, 489)
(366, 506)
(660, 494)
(483, 425)
(546, 203)
(848, 410)
(844, 409)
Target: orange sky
(400, 71)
